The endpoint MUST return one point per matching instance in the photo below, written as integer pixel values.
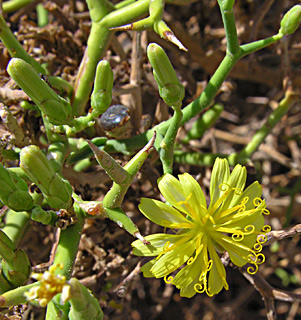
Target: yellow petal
(217, 274)
(163, 214)
(173, 260)
(194, 195)
(192, 271)
(157, 242)
(238, 251)
(236, 182)
(220, 175)
(145, 269)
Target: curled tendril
(255, 260)
(165, 249)
(191, 260)
(241, 209)
(168, 279)
(237, 191)
(209, 294)
(252, 269)
(209, 265)
(244, 201)
(249, 229)
(199, 288)
(265, 211)
(266, 228)
(260, 258)
(257, 201)
(224, 187)
(238, 236)
(257, 247)
(262, 238)
(252, 257)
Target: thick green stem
(249, 48)
(97, 44)
(15, 225)
(68, 244)
(202, 124)
(167, 145)
(226, 8)
(16, 296)
(284, 105)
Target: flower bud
(15, 265)
(14, 191)
(291, 20)
(170, 89)
(102, 93)
(56, 190)
(83, 304)
(56, 108)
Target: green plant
(65, 117)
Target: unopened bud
(57, 191)
(14, 191)
(102, 93)
(170, 89)
(291, 20)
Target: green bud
(170, 89)
(291, 20)
(57, 109)
(15, 264)
(14, 191)
(56, 190)
(102, 93)
(83, 304)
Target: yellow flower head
(233, 222)
(48, 286)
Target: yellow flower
(49, 285)
(233, 222)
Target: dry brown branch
(283, 234)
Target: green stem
(167, 145)
(249, 48)
(16, 296)
(98, 41)
(15, 225)
(42, 15)
(68, 244)
(205, 159)
(202, 124)
(284, 105)
(14, 5)
(226, 8)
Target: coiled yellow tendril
(224, 187)
(265, 211)
(241, 209)
(252, 269)
(239, 234)
(257, 201)
(244, 200)
(165, 249)
(255, 259)
(237, 191)
(267, 228)
(262, 238)
(168, 279)
(200, 288)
